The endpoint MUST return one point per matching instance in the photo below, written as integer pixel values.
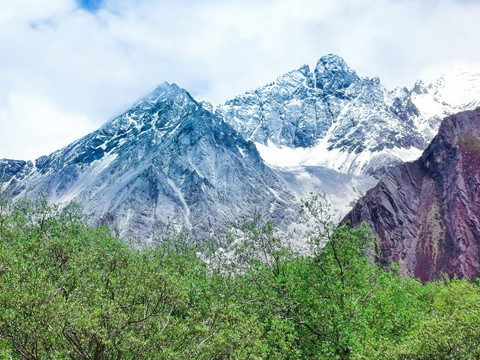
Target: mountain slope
(329, 123)
(426, 213)
(346, 121)
(167, 159)
(455, 91)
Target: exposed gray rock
(167, 159)
(353, 115)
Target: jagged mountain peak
(419, 87)
(333, 62)
(168, 158)
(456, 90)
(167, 91)
(162, 110)
(332, 110)
(333, 75)
(283, 86)
(155, 118)
(291, 81)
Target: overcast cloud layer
(68, 66)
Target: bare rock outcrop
(426, 214)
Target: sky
(68, 66)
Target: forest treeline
(72, 291)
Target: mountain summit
(352, 124)
(348, 123)
(166, 160)
(171, 158)
(333, 76)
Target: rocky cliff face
(167, 159)
(349, 122)
(426, 213)
(330, 123)
(172, 158)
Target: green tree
(335, 302)
(73, 292)
(70, 291)
(451, 328)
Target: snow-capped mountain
(167, 159)
(172, 158)
(456, 90)
(334, 117)
(312, 126)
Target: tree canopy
(72, 291)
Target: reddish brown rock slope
(426, 213)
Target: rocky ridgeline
(356, 116)
(426, 213)
(172, 159)
(166, 161)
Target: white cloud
(88, 67)
(28, 10)
(31, 118)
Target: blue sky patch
(90, 5)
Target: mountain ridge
(425, 213)
(165, 159)
(281, 141)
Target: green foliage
(335, 303)
(450, 329)
(69, 291)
